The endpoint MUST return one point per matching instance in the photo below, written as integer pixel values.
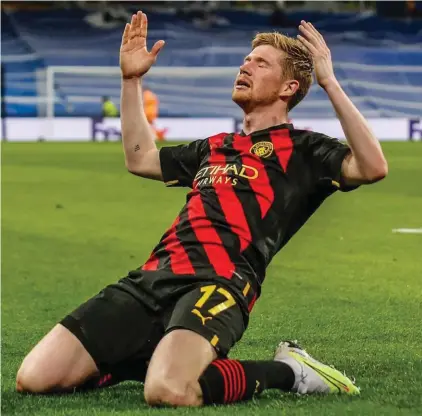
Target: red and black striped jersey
(250, 194)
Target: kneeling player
(172, 322)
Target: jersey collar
(287, 126)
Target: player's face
(259, 80)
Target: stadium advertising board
(169, 128)
(108, 129)
(415, 129)
(385, 129)
(38, 129)
(3, 122)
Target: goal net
(377, 91)
(182, 91)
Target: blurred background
(60, 59)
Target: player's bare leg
(179, 375)
(176, 365)
(59, 362)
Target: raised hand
(316, 45)
(135, 60)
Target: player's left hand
(315, 43)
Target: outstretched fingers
(125, 37)
(311, 34)
(136, 33)
(138, 17)
(317, 34)
(307, 33)
(132, 29)
(308, 45)
(144, 24)
(157, 47)
(311, 38)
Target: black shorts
(126, 320)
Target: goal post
(206, 91)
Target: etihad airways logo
(224, 174)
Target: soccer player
(150, 105)
(109, 109)
(173, 321)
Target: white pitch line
(407, 230)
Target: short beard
(243, 101)
(247, 104)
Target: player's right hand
(135, 60)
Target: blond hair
(297, 63)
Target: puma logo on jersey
(199, 315)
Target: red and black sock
(228, 381)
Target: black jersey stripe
(255, 195)
(220, 232)
(179, 260)
(221, 240)
(208, 237)
(211, 201)
(158, 259)
(229, 202)
(283, 145)
(193, 247)
(169, 252)
(260, 186)
(278, 182)
(248, 258)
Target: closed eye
(262, 63)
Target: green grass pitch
(350, 290)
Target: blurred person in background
(172, 322)
(151, 107)
(151, 104)
(109, 109)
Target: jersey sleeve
(327, 156)
(179, 164)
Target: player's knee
(38, 377)
(158, 393)
(21, 383)
(38, 383)
(30, 380)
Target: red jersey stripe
(260, 186)
(151, 264)
(230, 203)
(252, 302)
(283, 146)
(179, 260)
(208, 237)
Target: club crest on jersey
(262, 149)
